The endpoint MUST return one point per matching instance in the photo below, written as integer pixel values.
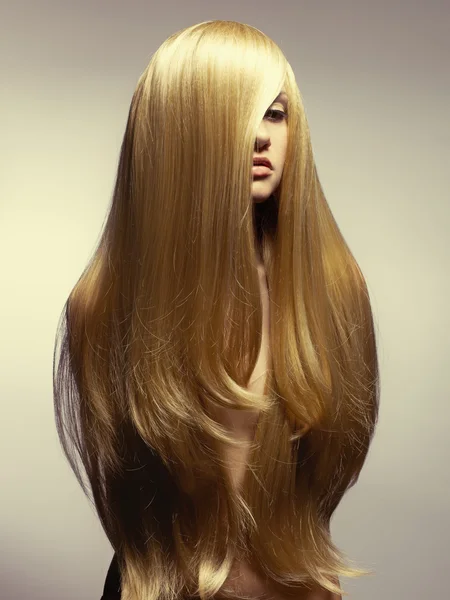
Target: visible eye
(279, 115)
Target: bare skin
(242, 575)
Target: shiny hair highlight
(165, 323)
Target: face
(271, 143)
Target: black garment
(112, 589)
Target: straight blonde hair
(165, 323)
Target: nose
(262, 137)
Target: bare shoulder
(321, 594)
(318, 593)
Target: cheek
(282, 143)
(284, 152)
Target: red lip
(265, 162)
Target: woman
(218, 378)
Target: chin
(262, 196)
(263, 188)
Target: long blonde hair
(165, 323)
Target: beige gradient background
(375, 80)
